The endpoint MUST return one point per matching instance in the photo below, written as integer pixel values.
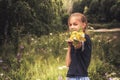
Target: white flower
(50, 33)
(92, 38)
(45, 42)
(114, 37)
(35, 41)
(1, 61)
(62, 67)
(75, 38)
(50, 50)
(1, 74)
(113, 73)
(99, 40)
(116, 78)
(65, 48)
(110, 79)
(32, 39)
(110, 40)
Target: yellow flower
(77, 36)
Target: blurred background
(33, 33)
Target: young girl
(77, 59)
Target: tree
(3, 20)
(18, 17)
(105, 9)
(93, 11)
(115, 11)
(100, 10)
(79, 6)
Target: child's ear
(84, 25)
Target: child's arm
(68, 55)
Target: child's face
(75, 24)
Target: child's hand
(79, 45)
(69, 42)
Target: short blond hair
(81, 16)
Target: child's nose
(72, 26)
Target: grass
(43, 58)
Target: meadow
(43, 58)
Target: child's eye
(75, 24)
(70, 24)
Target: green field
(32, 38)
(43, 58)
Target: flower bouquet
(76, 37)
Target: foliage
(32, 48)
(40, 17)
(102, 13)
(97, 11)
(24, 17)
(43, 58)
(78, 6)
(103, 55)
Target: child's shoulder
(87, 38)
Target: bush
(44, 58)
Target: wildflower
(106, 74)
(6, 78)
(32, 39)
(110, 40)
(19, 55)
(35, 42)
(21, 47)
(1, 74)
(99, 41)
(116, 78)
(51, 39)
(77, 36)
(114, 37)
(51, 34)
(62, 67)
(113, 73)
(45, 42)
(110, 79)
(65, 48)
(1, 61)
(92, 38)
(58, 59)
(60, 35)
(50, 50)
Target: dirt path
(106, 30)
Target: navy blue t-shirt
(80, 60)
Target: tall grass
(43, 58)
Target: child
(77, 59)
